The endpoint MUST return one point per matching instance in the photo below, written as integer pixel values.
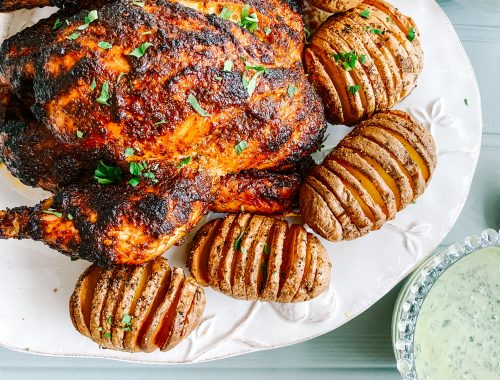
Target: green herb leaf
(127, 319)
(256, 68)
(292, 90)
(251, 84)
(70, 217)
(411, 34)
(363, 58)
(99, 328)
(228, 65)
(237, 242)
(267, 31)
(366, 13)
(134, 181)
(240, 147)
(104, 97)
(267, 250)
(307, 34)
(79, 134)
(93, 85)
(138, 3)
(129, 152)
(151, 176)
(141, 50)
(388, 19)
(52, 212)
(92, 16)
(73, 36)
(377, 31)
(466, 101)
(104, 45)
(107, 335)
(120, 76)
(247, 20)
(57, 24)
(196, 106)
(110, 320)
(136, 168)
(185, 161)
(225, 13)
(354, 89)
(107, 174)
(162, 121)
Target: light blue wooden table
(361, 349)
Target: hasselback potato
(136, 308)
(376, 170)
(254, 257)
(335, 6)
(364, 61)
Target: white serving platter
(36, 282)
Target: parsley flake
(129, 152)
(292, 90)
(248, 21)
(141, 50)
(240, 147)
(57, 24)
(70, 217)
(104, 45)
(226, 13)
(73, 36)
(138, 3)
(79, 134)
(466, 101)
(104, 97)
(185, 161)
(267, 250)
(347, 60)
(228, 66)
(107, 174)
(52, 212)
(237, 242)
(196, 106)
(267, 31)
(93, 85)
(92, 16)
(377, 31)
(354, 89)
(411, 34)
(366, 13)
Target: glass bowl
(416, 288)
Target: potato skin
(143, 308)
(384, 164)
(388, 60)
(335, 6)
(255, 257)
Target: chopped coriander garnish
(185, 161)
(52, 212)
(138, 3)
(267, 250)
(466, 101)
(196, 106)
(57, 24)
(256, 68)
(267, 31)
(388, 19)
(225, 13)
(93, 85)
(366, 13)
(141, 50)
(104, 45)
(363, 58)
(110, 320)
(136, 168)
(151, 176)
(237, 242)
(251, 84)
(67, 22)
(377, 31)
(73, 36)
(99, 328)
(218, 78)
(411, 34)
(292, 90)
(107, 335)
(129, 152)
(354, 89)
(126, 321)
(162, 121)
(79, 134)
(134, 181)
(70, 217)
(92, 16)
(247, 20)
(240, 147)
(348, 59)
(107, 174)
(307, 34)
(228, 65)
(104, 97)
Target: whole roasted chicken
(140, 116)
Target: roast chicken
(142, 116)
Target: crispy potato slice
(201, 251)
(276, 262)
(317, 213)
(146, 307)
(349, 229)
(230, 250)
(310, 268)
(217, 249)
(243, 256)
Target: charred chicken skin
(140, 119)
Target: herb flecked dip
(457, 335)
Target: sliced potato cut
(136, 308)
(276, 261)
(201, 252)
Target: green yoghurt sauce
(457, 334)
